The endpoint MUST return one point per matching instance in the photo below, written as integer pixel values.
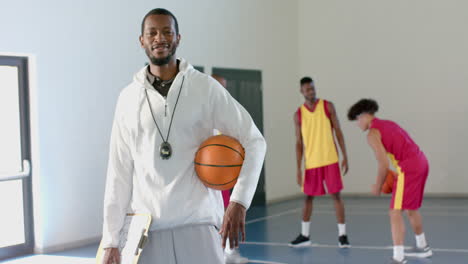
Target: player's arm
(299, 149)
(375, 142)
(339, 136)
(118, 184)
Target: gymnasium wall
(408, 55)
(87, 51)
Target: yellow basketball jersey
(317, 136)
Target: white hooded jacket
(140, 181)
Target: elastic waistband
(153, 229)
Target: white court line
(264, 261)
(451, 250)
(272, 216)
(354, 247)
(275, 244)
(292, 211)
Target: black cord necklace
(165, 150)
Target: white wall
(87, 51)
(410, 56)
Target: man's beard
(161, 61)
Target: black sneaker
(300, 241)
(343, 241)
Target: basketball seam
(219, 184)
(220, 145)
(218, 166)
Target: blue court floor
(269, 230)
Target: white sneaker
(393, 261)
(419, 252)
(234, 257)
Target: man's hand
(111, 256)
(233, 224)
(299, 177)
(344, 166)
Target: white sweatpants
(193, 244)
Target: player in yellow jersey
(316, 124)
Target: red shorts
(226, 196)
(408, 188)
(314, 179)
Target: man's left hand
(233, 224)
(344, 166)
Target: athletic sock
(421, 241)
(305, 231)
(398, 253)
(341, 229)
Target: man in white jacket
(160, 120)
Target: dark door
(246, 87)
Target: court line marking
(264, 261)
(317, 245)
(277, 244)
(272, 216)
(291, 211)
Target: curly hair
(369, 106)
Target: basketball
(387, 187)
(218, 162)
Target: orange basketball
(387, 187)
(218, 162)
